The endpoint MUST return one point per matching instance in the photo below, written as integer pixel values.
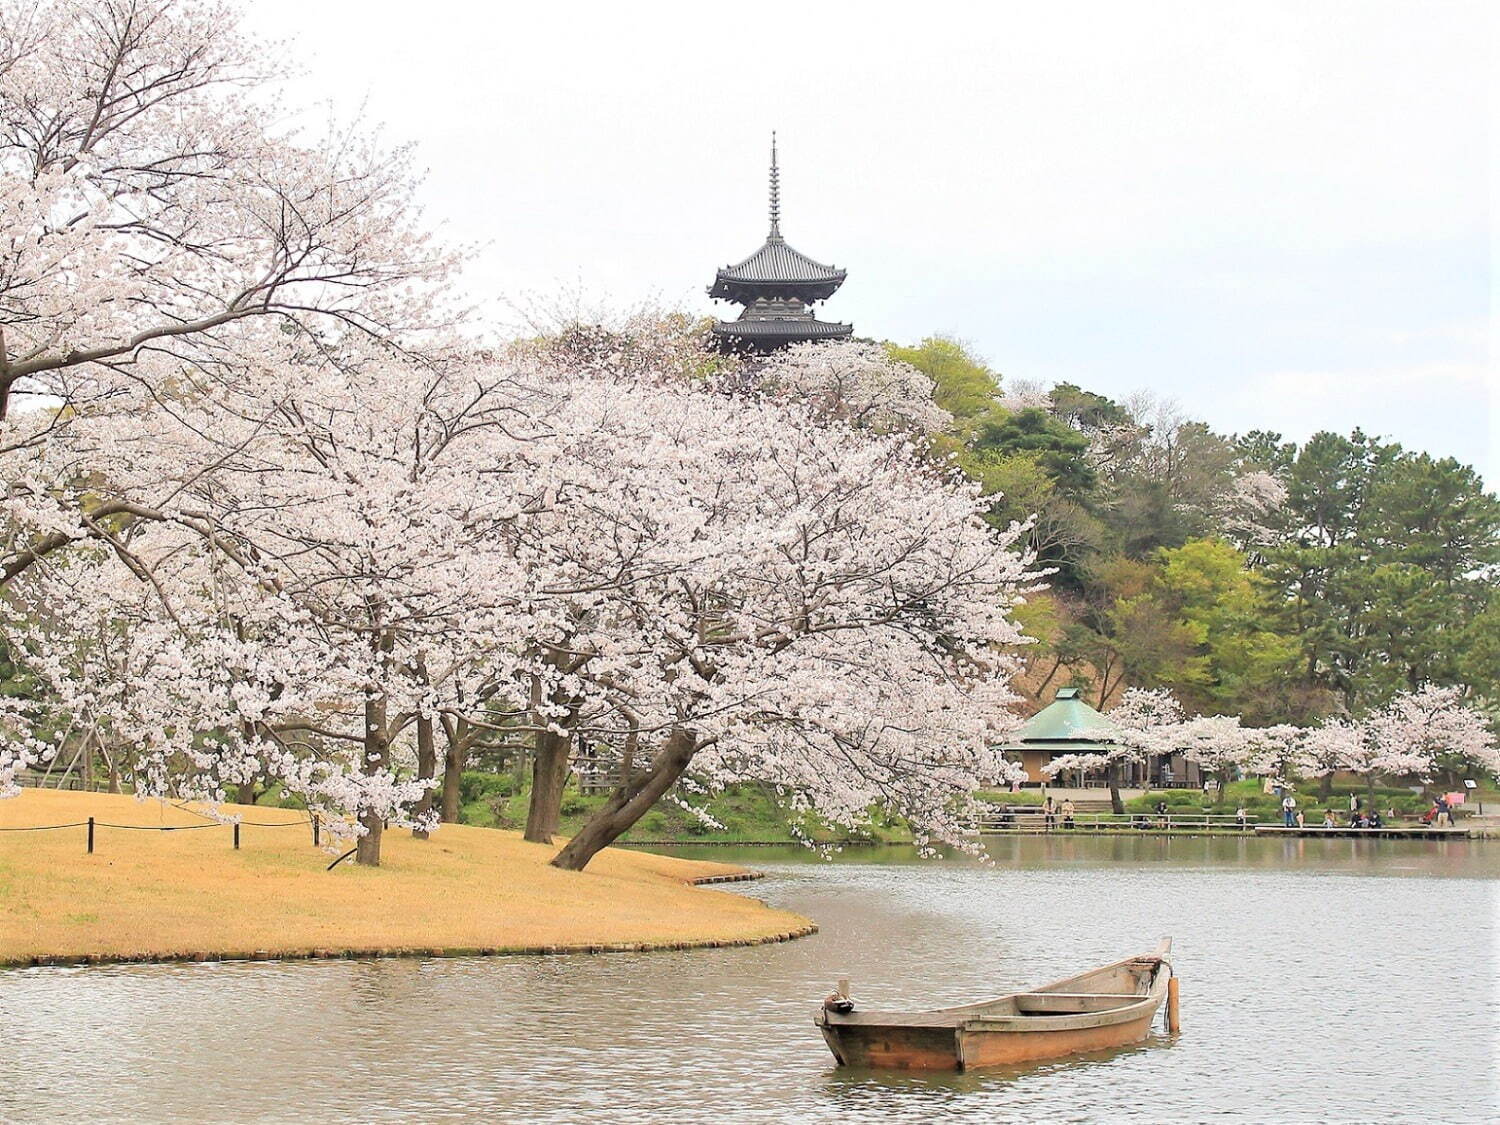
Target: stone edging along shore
(322, 954)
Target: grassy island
(189, 895)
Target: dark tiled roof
(796, 328)
(778, 261)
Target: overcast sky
(1276, 214)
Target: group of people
(1359, 818)
(1051, 810)
(1293, 817)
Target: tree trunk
(1325, 788)
(246, 792)
(377, 747)
(1116, 803)
(549, 776)
(114, 774)
(426, 770)
(453, 771)
(627, 804)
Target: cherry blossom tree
(1333, 745)
(163, 225)
(1427, 732)
(695, 578)
(855, 381)
(738, 587)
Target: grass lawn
(180, 894)
(748, 813)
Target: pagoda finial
(775, 191)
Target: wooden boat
(1105, 1007)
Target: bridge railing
(1032, 820)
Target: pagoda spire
(775, 191)
(777, 285)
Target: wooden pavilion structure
(1068, 725)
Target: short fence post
(91, 835)
(236, 837)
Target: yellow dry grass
(175, 894)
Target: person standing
(1241, 818)
(1049, 813)
(1353, 803)
(1289, 811)
(1067, 812)
(1444, 811)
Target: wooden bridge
(1031, 821)
(1394, 832)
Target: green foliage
(477, 785)
(1175, 566)
(963, 385)
(1230, 610)
(747, 813)
(1388, 576)
(1087, 412)
(1049, 444)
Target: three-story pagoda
(778, 286)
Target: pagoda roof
(782, 329)
(777, 269)
(776, 261)
(1067, 724)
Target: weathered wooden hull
(927, 1048)
(1109, 1007)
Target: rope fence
(93, 823)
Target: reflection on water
(1322, 980)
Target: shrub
(477, 785)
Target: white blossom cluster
(1413, 735)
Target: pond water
(1322, 980)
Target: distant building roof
(1066, 725)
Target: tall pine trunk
(633, 799)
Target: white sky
(1275, 213)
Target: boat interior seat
(1070, 1003)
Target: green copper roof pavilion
(778, 286)
(1067, 725)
